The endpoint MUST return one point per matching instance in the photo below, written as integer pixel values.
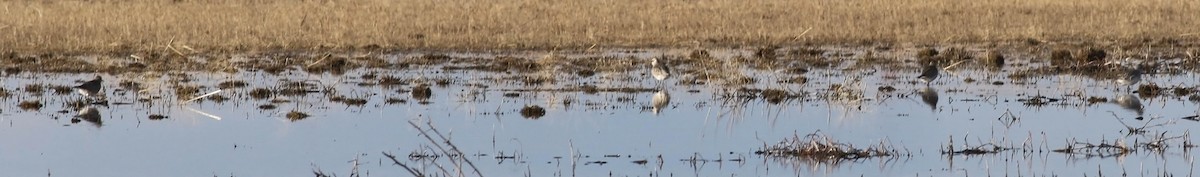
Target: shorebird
(1131, 77)
(90, 89)
(929, 74)
(660, 71)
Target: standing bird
(90, 89)
(660, 71)
(929, 74)
(1131, 77)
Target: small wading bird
(1131, 77)
(90, 89)
(929, 74)
(660, 71)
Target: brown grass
(271, 25)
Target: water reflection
(660, 100)
(929, 96)
(1131, 102)
(89, 114)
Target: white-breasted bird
(1130, 77)
(929, 74)
(660, 71)
(91, 89)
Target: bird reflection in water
(89, 114)
(929, 96)
(660, 100)
(1132, 103)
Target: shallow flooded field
(798, 111)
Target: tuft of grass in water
(533, 112)
(4, 93)
(31, 105)
(261, 93)
(295, 115)
(232, 84)
(819, 147)
(35, 89)
(157, 117)
(1150, 90)
(61, 89)
(186, 91)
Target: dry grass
(273, 25)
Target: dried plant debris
(820, 147)
(1157, 142)
(985, 148)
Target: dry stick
(455, 148)
(430, 138)
(170, 46)
(397, 162)
(318, 61)
(201, 96)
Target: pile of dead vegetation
(819, 147)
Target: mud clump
(267, 107)
(585, 73)
(700, 55)
(886, 89)
(994, 59)
(500, 64)
(1090, 55)
(767, 53)
(1085, 56)
(349, 101)
(186, 91)
(533, 112)
(428, 59)
(1094, 100)
(232, 84)
(4, 93)
(218, 98)
(157, 117)
(1149, 90)
(1183, 91)
(395, 101)
(944, 57)
(30, 105)
(926, 53)
(260, 93)
(296, 115)
(61, 89)
(776, 96)
(390, 81)
(130, 85)
(795, 80)
(1060, 57)
(421, 93)
(35, 89)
